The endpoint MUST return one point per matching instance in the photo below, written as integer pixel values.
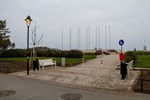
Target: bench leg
(128, 73)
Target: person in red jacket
(123, 66)
(121, 56)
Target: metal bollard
(101, 63)
(82, 62)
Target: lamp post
(28, 22)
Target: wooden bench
(129, 68)
(46, 62)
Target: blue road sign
(121, 42)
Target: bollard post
(63, 61)
(82, 62)
(101, 63)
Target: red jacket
(121, 56)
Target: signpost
(123, 65)
(121, 42)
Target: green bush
(143, 52)
(89, 53)
(64, 53)
(14, 53)
(128, 59)
(53, 53)
(42, 53)
(98, 52)
(74, 54)
(112, 50)
(67, 54)
(130, 55)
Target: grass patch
(143, 61)
(22, 59)
(88, 57)
(69, 61)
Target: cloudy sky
(128, 20)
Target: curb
(135, 81)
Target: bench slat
(46, 62)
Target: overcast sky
(128, 20)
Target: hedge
(130, 55)
(13, 53)
(143, 52)
(42, 53)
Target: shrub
(112, 50)
(143, 52)
(74, 54)
(53, 53)
(130, 55)
(64, 53)
(89, 53)
(68, 54)
(46, 53)
(40, 53)
(14, 53)
(98, 52)
(128, 59)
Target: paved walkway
(29, 89)
(89, 76)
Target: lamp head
(28, 20)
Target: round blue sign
(121, 42)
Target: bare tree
(35, 41)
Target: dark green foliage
(128, 59)
(98, 52)
(74, 54)
(59, 53)
(130, 55)
(67, 54)
(143, 52)
(112, 50)
(4, 38)
(64, 53)
(14, 53)
(42, 53)
(41, 48)
(89, 53)
(53, 53)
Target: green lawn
(143, 61)
(13, 59)
(69, 61)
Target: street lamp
(28, 22)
